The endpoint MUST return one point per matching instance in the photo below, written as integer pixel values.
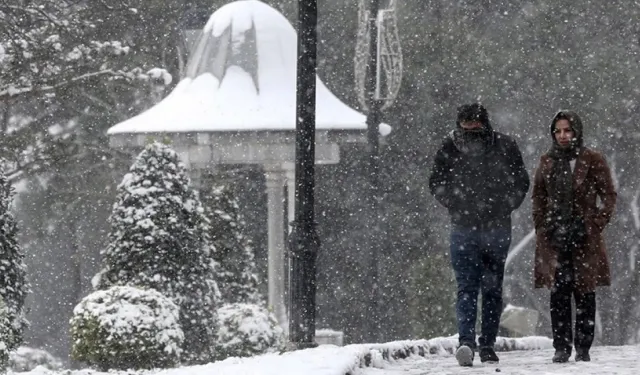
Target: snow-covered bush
(26, 359)
(247, 330)
(159, 240)
(125, 327)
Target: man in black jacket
(479, 176)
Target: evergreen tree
(13, 283)
(159, 240)
(236, 274)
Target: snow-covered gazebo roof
(242, 77)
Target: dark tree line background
(522, 59)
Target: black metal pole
(373, 132)
(304, 241)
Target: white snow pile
(323, 360)
(160, 75)
(26, 359)
(447, 345)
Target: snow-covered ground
(326, 359)
(618, 360)
(532, 357)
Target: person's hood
(474, 112)
(574, 121)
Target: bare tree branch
(14, 91)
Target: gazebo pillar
(275, 179)
(290, 174)
(195, 174)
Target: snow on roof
(242, 76)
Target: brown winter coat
(591, 179)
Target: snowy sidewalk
(619, 360)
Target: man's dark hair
(473, 112)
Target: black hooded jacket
(480, 190)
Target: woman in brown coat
(571, 258)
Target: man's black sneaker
(561, 356)
(582, 355)
(464, 355)
(487, 354)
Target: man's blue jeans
(478, 257)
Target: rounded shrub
(126, 328)
(247, 330)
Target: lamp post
(304, 241)
(373, 124)
(378, 73)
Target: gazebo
(237, 105)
